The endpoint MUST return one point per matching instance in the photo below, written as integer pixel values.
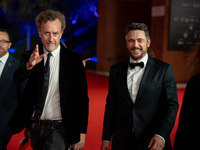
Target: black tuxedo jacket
(155, 108)
(10, 92)
(73, 93)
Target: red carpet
(97, 91)
(181, 92)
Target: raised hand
(35, 58)
(84, 61)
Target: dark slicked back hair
(138, 26)
(6, 31)
(50, 15)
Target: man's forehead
(51, 26)
(3, 35)
(136, 34)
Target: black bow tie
(132, 65)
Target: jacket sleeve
(169, 103)
(84, 101)
(21, 74)
(109, 115)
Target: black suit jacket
(187, 135)
(155, 108)
(10, 92)
(73, 93)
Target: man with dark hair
(55, 103)
(10, 90)
(142, 99)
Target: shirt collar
(54, 52)
(144, 60)
(4, 58)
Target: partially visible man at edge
(11, 91)
(60, 121)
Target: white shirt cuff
(160, 137)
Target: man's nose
(135, 44)
(50, 37)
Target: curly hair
(50, 15)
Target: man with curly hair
(54, 106)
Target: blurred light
(63, 39)
(19, 42)
(94, 58)
(11, 50)
(93, 8)
(74, 20)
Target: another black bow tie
(132, 65)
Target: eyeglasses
(3, 42)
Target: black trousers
(48, 135)
(130, 142)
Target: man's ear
(149, 43)
(61, 35)
(9, 45)
(39, 32)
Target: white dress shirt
(3, 60)
(134, 77)
(52, 110)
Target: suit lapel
(65, 65)
(123, 73)
(148, 73)
(40, 67)
(64, 57)
(8, 68)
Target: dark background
(184, 29)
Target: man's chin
(50, 48)
(136, 57)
